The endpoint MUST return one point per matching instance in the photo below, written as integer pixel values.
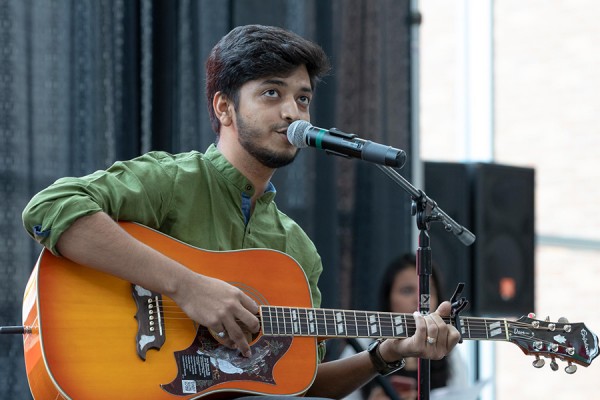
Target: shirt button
(248, 187)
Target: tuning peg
(565, 322)
(538, 362)
(547, 319)
(571, 368)
(553, 365)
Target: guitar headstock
(570, 342)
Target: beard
(247, 136)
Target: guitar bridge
(150, 318)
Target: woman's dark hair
(255, 51)
(439, 369)
(400, 264)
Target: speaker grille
(496, 202)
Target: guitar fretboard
(331, 323)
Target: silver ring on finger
(221, 334)
(431, 340)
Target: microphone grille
(297, 131)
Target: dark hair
(439, 369)
(255, 51)
(400, 264)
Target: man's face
(266, 108)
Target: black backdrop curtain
(85, 83)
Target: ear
(223, 108)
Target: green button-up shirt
(194, 197)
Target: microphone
(302, 134)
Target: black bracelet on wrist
(381, 366)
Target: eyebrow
(282, 83)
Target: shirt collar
(233, 175)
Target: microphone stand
(426, 211)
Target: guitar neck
(329, 323)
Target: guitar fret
(385, 326)
(290, 321)
(373, 324)
(325, 322)
(345, 318)
(355, 324)
(306, 319)
(379, 333)
(399, 323)
(331, 322)
(268, 324)
(284, 319)
(362, 327)
(495, 329)
(288, 326)
(302, 321)
(311, 321)
(277, 321)
(340, 328)
(263, 320)
(296, 327)
(465, 330)
(476, 330)
(351, 329)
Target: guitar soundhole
(206, 363)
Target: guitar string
(473, 326)
(501, 337)
(385, 315)
(478, 330)
(469, 322)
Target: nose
(290, 111)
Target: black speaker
(495, 202)
(448, 184)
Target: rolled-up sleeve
(139, 190)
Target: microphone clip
(344, 135)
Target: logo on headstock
(584, 335)
(522, 332)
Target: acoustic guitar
(93, 336)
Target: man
(259, 80)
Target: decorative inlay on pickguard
(207, 363)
